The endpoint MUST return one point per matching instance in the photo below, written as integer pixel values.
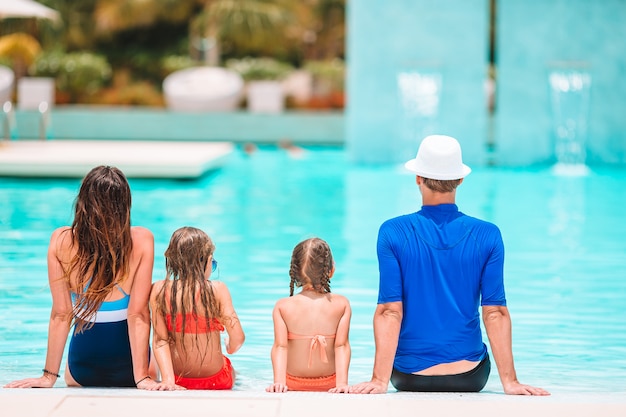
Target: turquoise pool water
(564, 236)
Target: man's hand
(372, 387)
(515, 388)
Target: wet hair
(311, 263)
(102, 237)
(441, 186)
(190, 293)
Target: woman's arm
(342, 350)
(279, 352)
(231, 322)
(60, 318)
(138, 310)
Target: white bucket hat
(439, 158)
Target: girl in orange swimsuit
(189, 311)
(311, 351)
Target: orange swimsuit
(321, 383)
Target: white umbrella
(26, 8)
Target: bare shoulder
(218, 285)
(155, 289)
(140, 233)
(339, 299)
(157, 286)
(283, 302)
(220, 289)
(60, 235)
(143, 239)
(61, 243)
(60, 230)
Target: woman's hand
(41, 382)
(147, 384)
(166, 386)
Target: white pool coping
(70, 402)
(139, 159)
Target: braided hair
(311, 263)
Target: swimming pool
(564, 236)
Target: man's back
(440, 263)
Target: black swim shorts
(470, 381)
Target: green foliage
(142, 51)
(6, 61)
(260, 68)
(151, 38)
(330, 73)
(78, 73)
(173, 63)
(136, 93)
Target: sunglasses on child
(213, 265)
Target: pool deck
(70, 402)
(142, 159)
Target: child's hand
(276, 387)
(339, 390)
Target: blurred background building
(518, 82)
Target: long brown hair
(186, 259)
(101, 235)
(311, 263)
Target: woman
(100, 273)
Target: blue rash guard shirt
(441, 264)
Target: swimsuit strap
(318, 340)
(119, 287)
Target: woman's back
(104, 332)
(64, 249)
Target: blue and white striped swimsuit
(100, 356)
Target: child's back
(189, 313)
(311, 350)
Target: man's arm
(498, 326)
(387, 321)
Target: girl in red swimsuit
(311, 351)
(189, 311)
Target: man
(436, 267)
